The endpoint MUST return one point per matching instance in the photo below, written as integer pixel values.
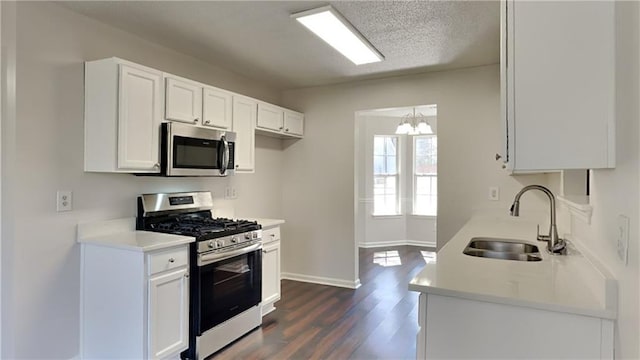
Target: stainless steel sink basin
(505, 249)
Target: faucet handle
(541, 237)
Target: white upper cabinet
(125, 103)
(217, 108)
(123, 112)
(183, 100)
(270, 117)
(293, 123)
(557, 84)
(244, 120)
(279, 122)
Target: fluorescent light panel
(334, 29)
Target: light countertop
(121, 234)
(267, 223)
(571, 283)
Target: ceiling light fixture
(414, 125)
(333, 28)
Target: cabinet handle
(265, 251)
(498, 157)
(195, 121)
(171, 260)
(286, 130)
(186, 275)
(280, 128)
(207, 121)
(273, 235)
(504, 166)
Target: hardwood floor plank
(311, 321)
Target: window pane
(391, 165)
(421, 146)
(391, 185)
(385, 169)
(378, 165)
(426, 158)
(391, 145)
(378, 145)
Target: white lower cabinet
(457, 328)
(134, 305)
(168, 325)
(270, 269)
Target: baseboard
(322, 280)
(397, 243)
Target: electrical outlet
(230, 193)
(623, 239)
(64, 200)
(494, 193)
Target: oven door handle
(206, 259)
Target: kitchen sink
(505, 249)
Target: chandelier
(412, 124)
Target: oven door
(228, 286)
(192, 151)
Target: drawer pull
(171, 260)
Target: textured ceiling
(261, 41)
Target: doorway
(395, 182)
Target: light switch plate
(623, 239)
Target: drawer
(271, 234)
(168, 259)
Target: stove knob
(247, 236)
(218, 244)
(234, 240)
(211, 244)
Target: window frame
(396, 175)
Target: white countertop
(570, 283)
(267, 223)
(121, 233)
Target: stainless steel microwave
(187, 150)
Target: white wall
(40, 257)
(318, 202)
(617, 192)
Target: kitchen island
(563, 306)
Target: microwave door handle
(225, 155)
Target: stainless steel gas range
(225, 266)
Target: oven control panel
(230, 241)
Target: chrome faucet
(555, 245)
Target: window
(425, 175)
(385, 175)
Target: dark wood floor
(376, 321)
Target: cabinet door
(183, 101)
(139, 118)
(244, 119)
(293, 123)
(270, 275)
(168, 313)
(270, 117)
(561, 93)
(216, 108)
